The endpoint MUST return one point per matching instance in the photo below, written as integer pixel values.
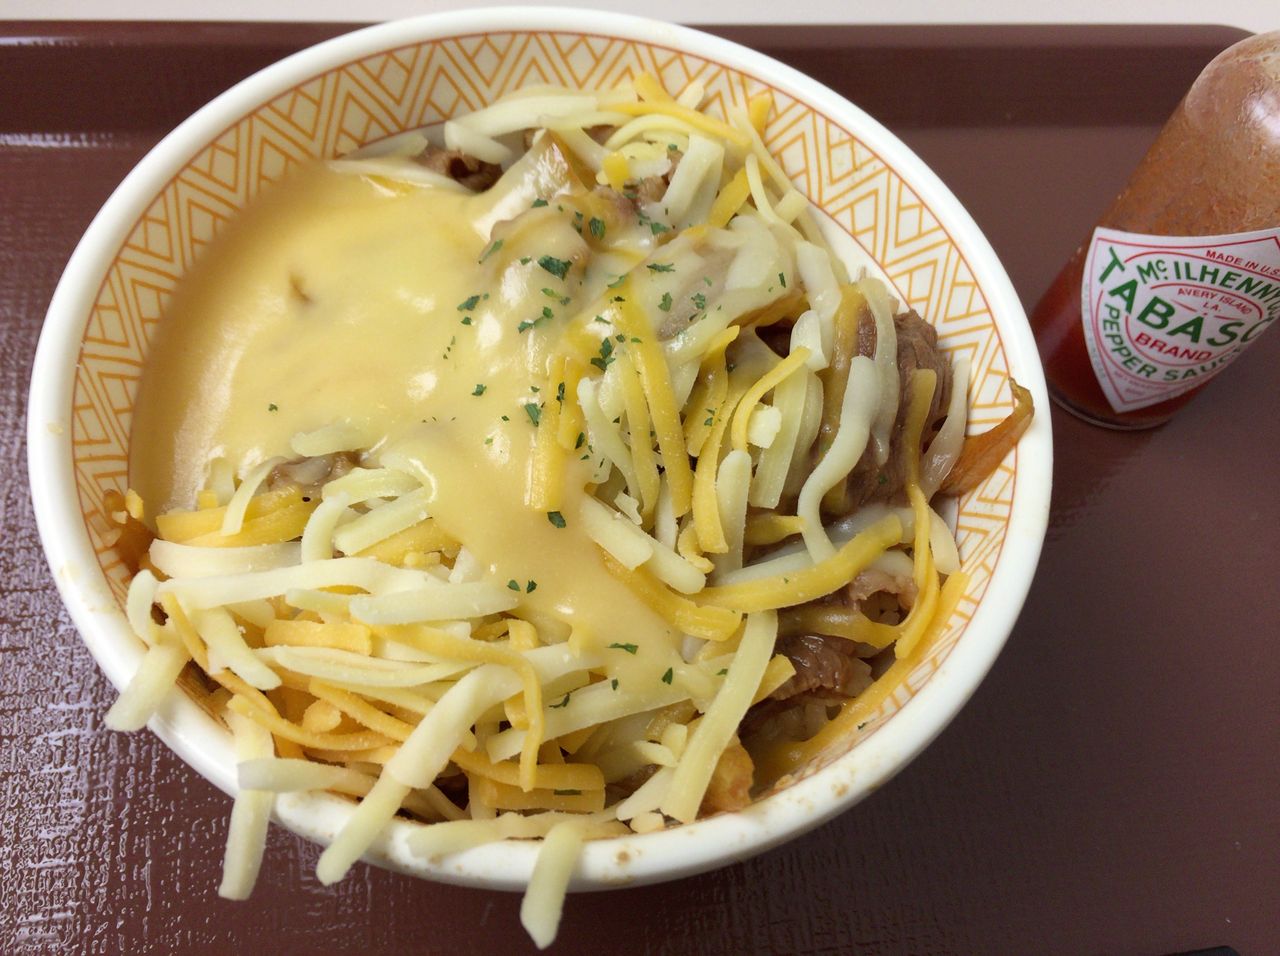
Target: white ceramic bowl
(358, 88)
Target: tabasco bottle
(1182, 272)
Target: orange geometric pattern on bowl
(426, 83)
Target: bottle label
(1164, 314)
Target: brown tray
(1111, 788)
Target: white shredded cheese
(543, 901)
(150, 684)
(348, 668)
(440, 602)
(856, 412)
(250, 814)
(733, 482)
(363, 573)
(886, 365)
(191, 561)
(233, 520)
(381, 523)
(329, 439)
(764, 425)
(720, 723)
(361, 484)
(138, 603)
(317, 536)
(221, 633)
(363, 826)
(279, 775)
(648, 796)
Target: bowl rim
(627, 860)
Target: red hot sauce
(1183, 270)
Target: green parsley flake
(597, 227)
(629, 648)
(605, 358)
(666, 678)
(534, 411)
(560, 393)
(513, 585)
(537, 203)
(530, 587)
(722, 671)
(665, 304)
(614, 683)
(657, 228)
(556, 518)
(493, 247)
(557, 267)
(661, 267)
(479, 389)
(617, 282)
(469, 304)
(563, 703)
(466, 320)
(782, 278)
(582, 438)
(273, 407)
(699, 301)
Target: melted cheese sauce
(341, 299)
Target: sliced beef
(917, 349)
(777, 337)
(310, 474)
(730, 784)
(651, 189)
(621, 789)
(823, 664)
(133, 538)
(623, 207)
(828, 671)
(473, 173)
(874, 581)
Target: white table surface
(1256, 15)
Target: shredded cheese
(718, 726)
(540, 540)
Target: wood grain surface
(1113, 787)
